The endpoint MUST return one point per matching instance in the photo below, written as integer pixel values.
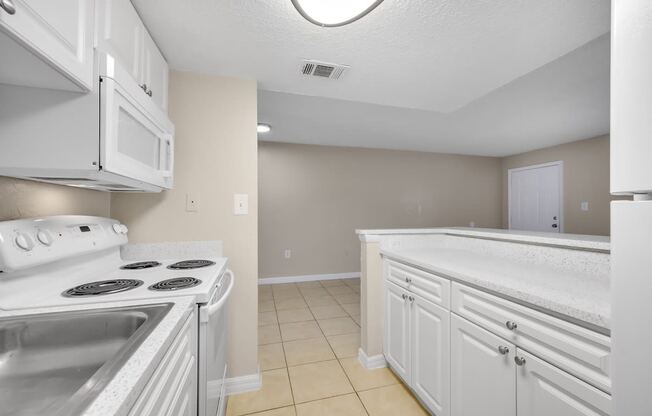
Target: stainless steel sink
(56, 364)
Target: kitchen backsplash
(25, 199)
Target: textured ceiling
(452, 62)
(563, 101)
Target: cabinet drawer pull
(404, 296)
(8, 6)
(411, 298)
(520, 361)
(511, 325)
(503, 350)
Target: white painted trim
(307, 278)
(243, 384)
(559, 163)
(370, 363)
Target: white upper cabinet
(545, 390)
(155, 73)
(631, 96)
(48, 44)
(122, 34)
(482, 372)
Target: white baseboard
(307, 278)
(375, 361)
(243, 384)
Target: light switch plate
(240, 204)
(192, 202)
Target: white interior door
(535, 198)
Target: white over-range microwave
(114, 138)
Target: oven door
(213, 324)
(134, 142)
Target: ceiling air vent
(323, 69)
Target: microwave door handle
(167, 156)
(214, 307)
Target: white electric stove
(71, 260)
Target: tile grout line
(285, 358)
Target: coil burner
(175, 284)
(140, 265)
(190, 264)
(103, 287)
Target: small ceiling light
(264, 128)
(333, 13)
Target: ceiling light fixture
(264, 128)
(333, 13)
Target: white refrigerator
(631, 221)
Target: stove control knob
(24, 241)
(44, 237)
(117, 228)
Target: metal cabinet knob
(404, 296)
(8, 6)
(144, 88)
(554, 226)
(511, 325)
(520, 361)
(503, 350)
(411, 298)
(149, 92)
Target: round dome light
(264, 128)
(332, 13)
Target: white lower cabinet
(488, 356)
(482, 372)
(417, 346)
(397, 331)
(544, 390)
(430, 329)
(172, 389)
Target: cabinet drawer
(427, 285)
(171, 372)
(581, 352)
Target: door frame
(559, 163)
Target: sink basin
(56, 364)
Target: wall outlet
(584, 206)
(288, 253)
(192, 202)
(240, 204)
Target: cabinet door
(120, 33)
(155, 70)
(482, 378)
(60, 33)
(545, 390)
(431, 354)
(397, 330)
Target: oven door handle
(212, 308)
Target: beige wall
(312, 198)
(215, 157)
(25, 199)
(586, 178)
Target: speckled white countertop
(578, 297)
(576, 241)
(119, 395)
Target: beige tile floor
(308, 340)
